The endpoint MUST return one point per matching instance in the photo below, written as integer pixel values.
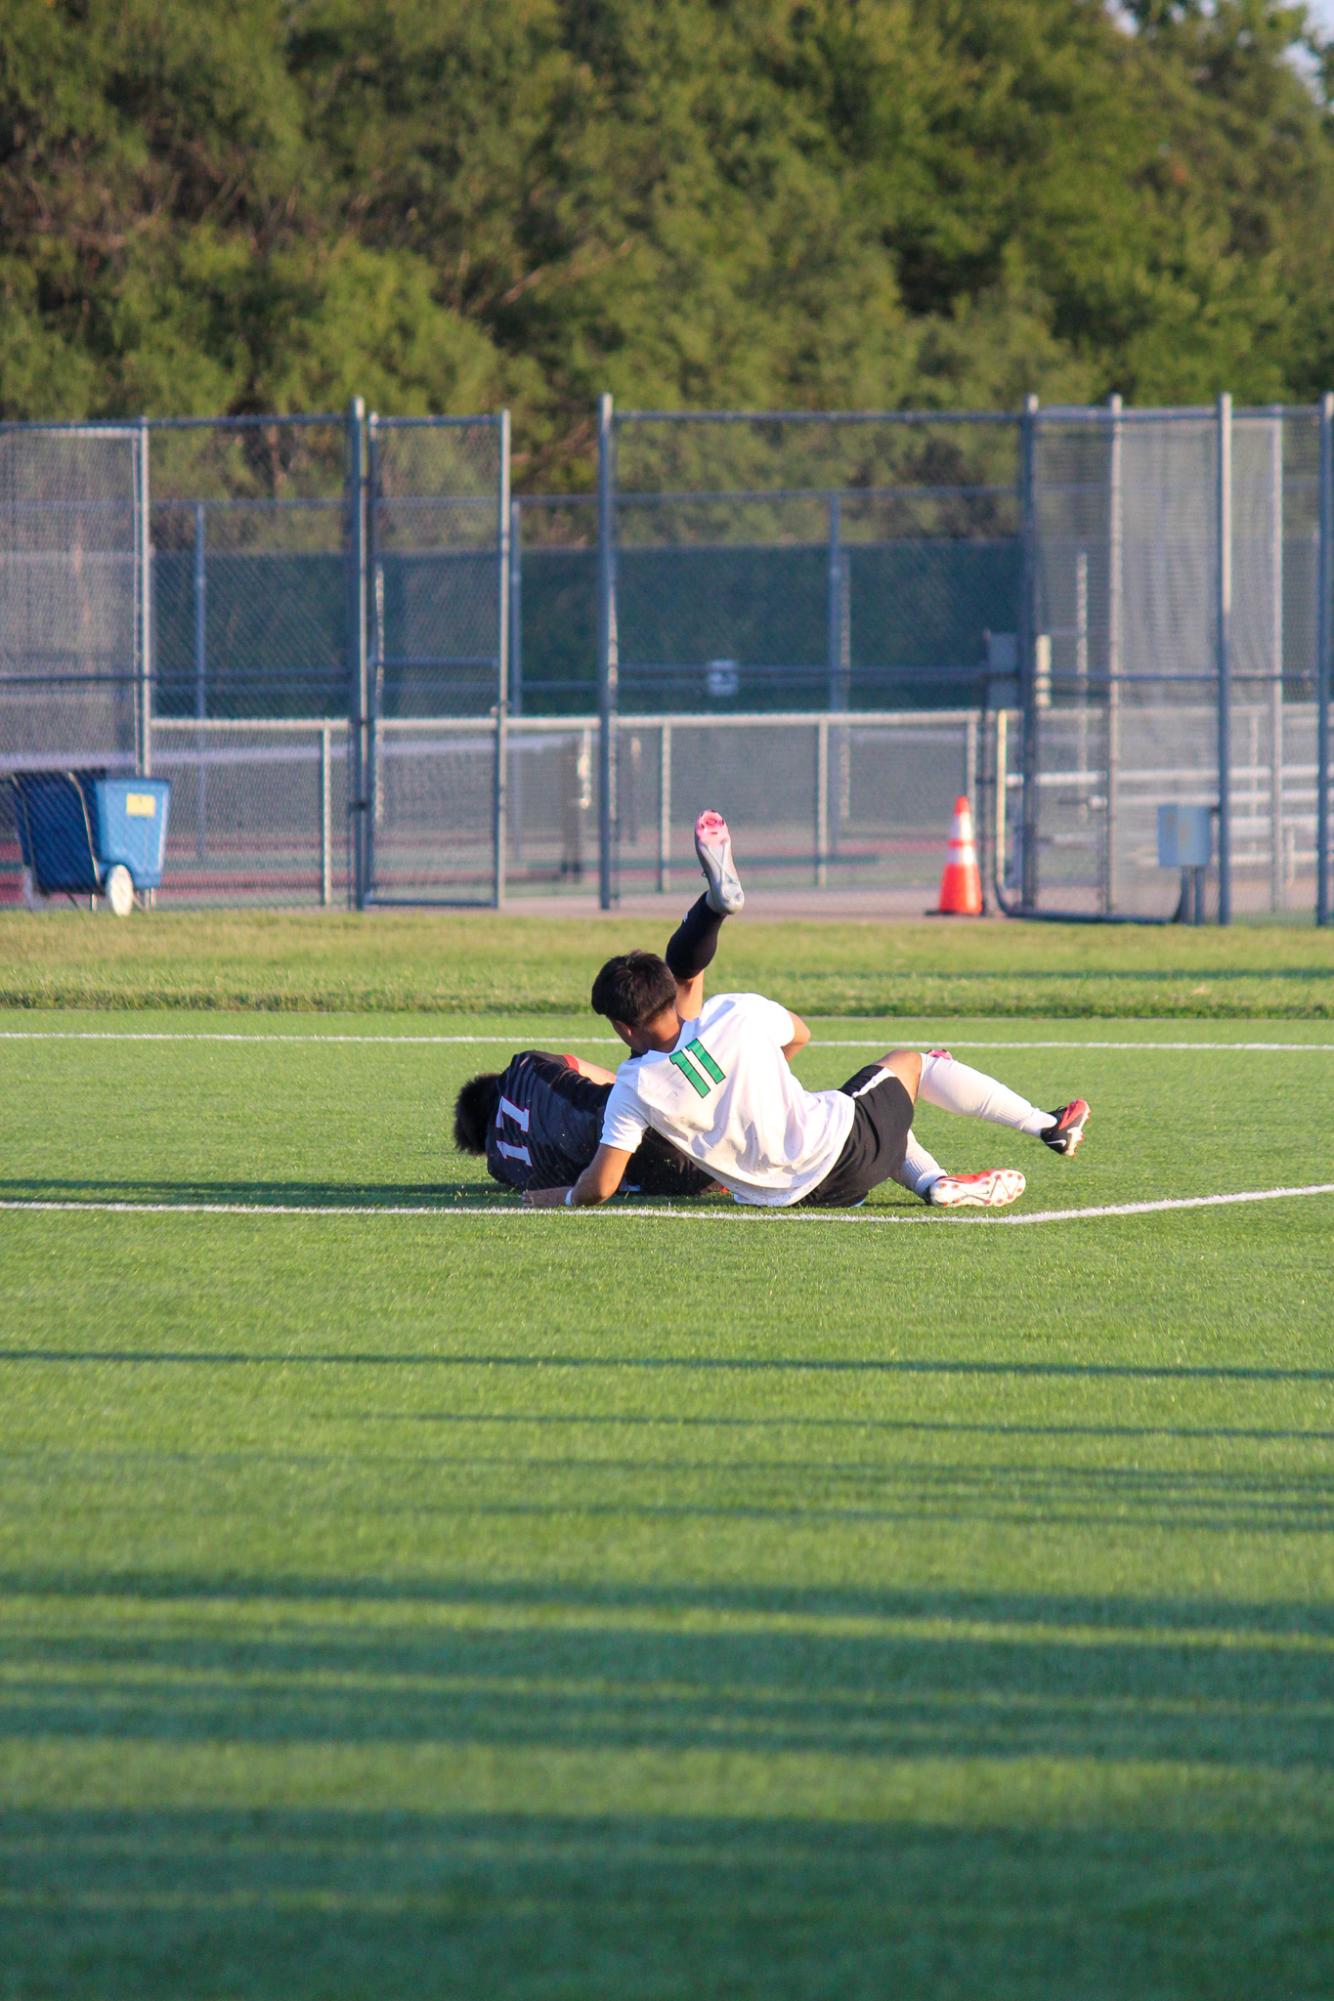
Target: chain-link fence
(828, 802)
(437, 527)
(262, 609)
(373, 675)
(553, 605)
(259, 811)
(74, 638)
(249, 534)
(805, 562)
(252, 653)
(75, 624)
(1179, 569)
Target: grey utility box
(1185, 836)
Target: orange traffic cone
(961, 884)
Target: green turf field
(503, 1605)
(436, 964)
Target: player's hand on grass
(544, 1198)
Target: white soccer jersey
(726, 1096)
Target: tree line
(446, 205)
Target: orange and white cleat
(995, 1189)
(713, 845)
(1068, 1131)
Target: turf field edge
(272, 963)
(941, 999)
(1073, 1007)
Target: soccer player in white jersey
(719, 1086)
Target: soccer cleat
(995, 1189)
(713, 845)
(1068, 1130)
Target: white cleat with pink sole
(713, 845)
(995, 1189)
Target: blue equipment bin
(75, 825)
(130, 826)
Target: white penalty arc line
(566, 1035)
(626, 1212)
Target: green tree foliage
(443, 204)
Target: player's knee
(906, 1065)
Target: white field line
(566, 1035)
(739, 1213)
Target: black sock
(694, 941)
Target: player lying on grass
(718, 1085)
(539, 1120)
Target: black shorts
(874, 1149)
(659, 1168)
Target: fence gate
(1172, 649)
(803, 563)
(251, 655)
(435, 683)
(75, 636)
(75, 622)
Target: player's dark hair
(474, 1109)
(633, 988)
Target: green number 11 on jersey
(680, 1060)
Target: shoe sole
(713, 845)
(988, 1191)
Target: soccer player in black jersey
(539, 1121)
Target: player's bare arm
(598, 1183)
(594, 1072)
(801, 1035)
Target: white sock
(919, 1168)
(955, 1087)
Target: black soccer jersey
(548, 1123)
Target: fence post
(499, 830)
(839, 658)
(1323, 690)
(143, 721)
(517, 673)
(375, 653)
(1223, 641)
(201, 681)
(1114, 588)
(1082, 677)
(821, 802)
(1028, 626)
(608, 656)
(839, 645)
(1276, 666)
(516, 608)
(358, 678)
(664, 808)
(326, 843)
(834, 642)
(1000, 859)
